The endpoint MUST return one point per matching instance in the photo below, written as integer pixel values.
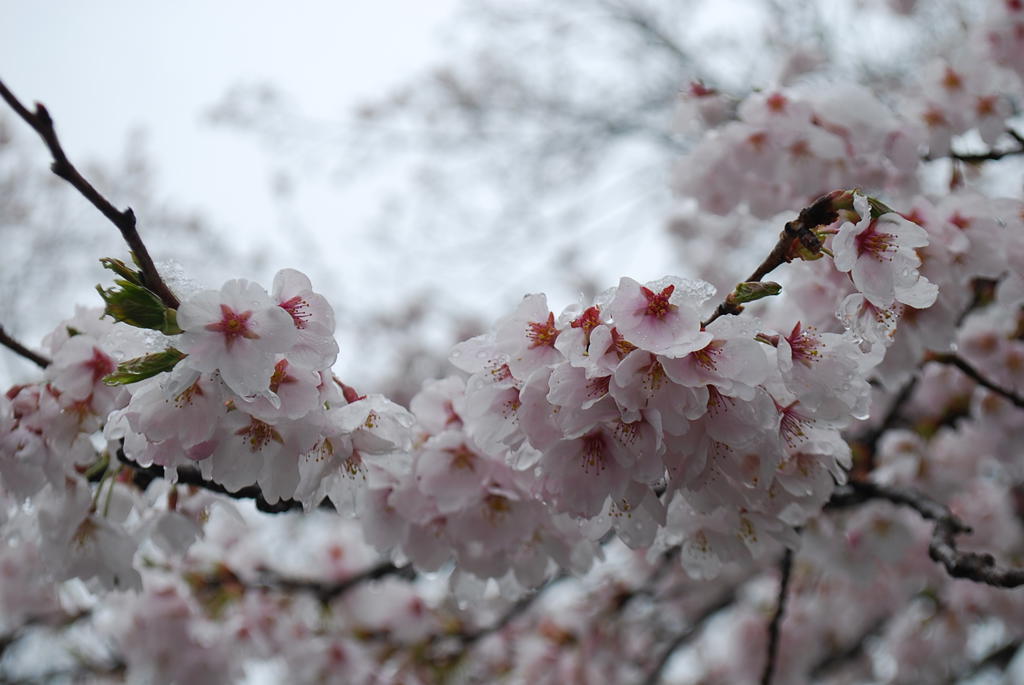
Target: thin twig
(869, 440)
(725, 600)
(513, 612)
(10, 343)
(979, 567)
(326, 592)
(800, 232)
(775, 626)
(142, 476)
(990, 156)
(839, 658)
(648, 27)
(977, 377)
(41, 122)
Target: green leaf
(141, 368)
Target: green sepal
(878, 208)
(141, 368)
(123, 270)
(138, 306)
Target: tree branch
(795, 234)
(869, 439)
(723, 601)
(848, 654)
(775, 626)
(979, 567)
(41, 122)
(990, 156)
(142, 476)
(326, 592)
(10, 343)
(647, 26)
(513, 612)
(975, 375)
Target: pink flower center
(776, 102)
(658, 305)
(501, 373)
(280, 376)
(622, 346)
(299, 310)
(101, 365)
(496, 507)
(188, 395)
(233, 325)
(960, 221)
(542, 334)
(259, 434)
(872, 242)
(353, 466)
(451, 416)
(463, 458)
(588, 321)
(951, 80)
(592, 454)
(598, 387)
(627, 433)
(805, 346)
(706, 357)
(792, 424)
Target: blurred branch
(775, 626)
(979, 567)
(517, 609)
(41, 122)
(681, 639)
(977, 377)
(869, 439)
(998, 659)
(991, 155)
(326, 592)
(846, 655)
(10, 343)
(649, 28)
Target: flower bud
(141, 368)
(138, 306)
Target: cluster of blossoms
(627, 414)
(704, 439)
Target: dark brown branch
(869, 439)
(796, 234)
(998, 659)
(979, 567)
(775, 626)
(326, 592)
(848, 654)
(10, 343)
(977, 377)
(41, 122)
(142, 476)
(723, 601)
(990, 156)
(648, 27)
(512, 613)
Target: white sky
(105, 68)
